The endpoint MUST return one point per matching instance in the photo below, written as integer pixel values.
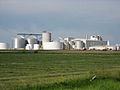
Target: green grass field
(59, 70)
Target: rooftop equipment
(97, 37)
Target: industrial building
(43, 41)
(80, 44)
(36, 42)
(31, 42)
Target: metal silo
(32, 40)
(46, 37)
(79, 44)
(19, 42)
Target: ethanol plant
(43, 41)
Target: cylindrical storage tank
(32, 40)
(36, 46)
(29, 47)
(46, 37)
(79, 44)
(52, 46)
(3, 46)
(19, 42)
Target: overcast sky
(63, 18)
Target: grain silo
(46, 37)
(32, 40)
(19, 42)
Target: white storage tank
(36, 46)
(29, 47)
(46, 37)
(3, 46)
(52, 46)
(79, 44)
(19, 42)
(32, 40)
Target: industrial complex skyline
(63, 18)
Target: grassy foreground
(60, 70)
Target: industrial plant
(44, 41)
